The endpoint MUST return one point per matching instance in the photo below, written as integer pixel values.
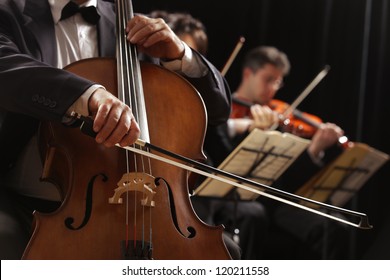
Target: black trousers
(245, 221)
(299, 234)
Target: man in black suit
(36, 41)
(290, 232)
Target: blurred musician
(294, 233)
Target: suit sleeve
(215, 92)
(29, 86)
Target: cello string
(132, 95)
(138, 105)
(136, 90)
(124, 90)
(135, 83)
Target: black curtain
(351, 36)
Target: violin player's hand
(263, 117)
(154, 37)
(114, 122)
(326, 136)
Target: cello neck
(130, 89)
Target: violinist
(37, 39)
(263, 71)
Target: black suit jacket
(32, 89)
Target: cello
(96, 221)
(120, 205)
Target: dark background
(349, 35)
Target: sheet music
(262, 156)
(339, 181)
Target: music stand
(343, 177)
(262, 157)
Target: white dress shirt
(76, 39)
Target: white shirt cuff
(319, 159)
(80, 106)
(231, 128)
(191, 64)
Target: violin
(299, 123)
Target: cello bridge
(135, 181)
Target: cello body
(115, 210)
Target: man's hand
(154, 37)
(263, 117)
(326, 136)
(113, 120)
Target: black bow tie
(89, 13)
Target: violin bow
(320, 76)
(290, 109)
(233, 55)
